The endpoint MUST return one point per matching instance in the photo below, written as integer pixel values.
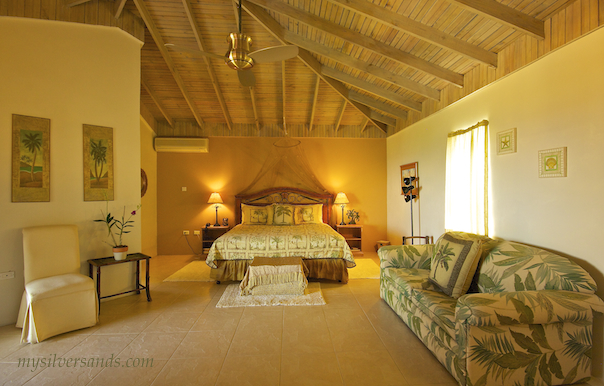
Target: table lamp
(215, 199)
(343, 200)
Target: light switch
(184, 188)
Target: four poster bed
(282, 222)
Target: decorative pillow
(308, 214)
(283, 214)
(256, 215)
(454, 262)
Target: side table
(132, 257)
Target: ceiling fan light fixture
(237, 56)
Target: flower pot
(120, 252)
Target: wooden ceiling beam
(284, 95)
(419, 30)
(314, 102)
(340, 116)
(505, 15)
(360, 65)
(119, 7)
(256, 119)
(159, 41)
(378, 105)
(383, 118)
(213, 78)
(73, 3)
(275, 29)
(372, 88)
(361, 40)
(157, 103)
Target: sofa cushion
(440, 309)
(408, 279)
(454, 262)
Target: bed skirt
(329, 269)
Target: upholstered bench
(275, 276)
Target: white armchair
(57, 298)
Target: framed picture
(552, 162)
(31, 159)
(409, 177)
(98, 163)
(506, 141)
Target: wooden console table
(132, 257)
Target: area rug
(232, 298)
(365, 269)
(194, 271)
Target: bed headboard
(285, 195)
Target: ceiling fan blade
(274, 54)
(194, 52)
(246, 78)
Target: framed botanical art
(98, 163)
(31, 159)
(506, 141)
(552, 162)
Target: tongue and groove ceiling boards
(365, 68)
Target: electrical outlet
(7, 275)
(185, 233)
(196, 233)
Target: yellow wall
(72, 74)
(355, 166)
(554, 102)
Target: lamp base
(342, 223)
(217, 224)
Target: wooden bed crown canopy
(284, 195)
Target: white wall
(555, 102)
(72, 74)
(149, 201)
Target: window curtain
(466, 186)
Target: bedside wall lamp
(215, 199)
(343, 200)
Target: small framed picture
(506, 141)
(552, 162)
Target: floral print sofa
(528, 321)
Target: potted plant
(119, 249)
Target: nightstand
(210, 234)
(354, 237)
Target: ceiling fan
(239, 57)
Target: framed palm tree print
(98, 163)
(31, 159)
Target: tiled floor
(355, 339)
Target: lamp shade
(341, 198)
(215, 199)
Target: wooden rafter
(157, 102)
(201, 45)
(340, 116)
(119, 7)
(361, 40)
(383, 118)
(419, 30)
(314, 103)
(364, 125)
(505, 15)
(372, 88)
(278, 32)
(159, 41)
(375, 104)
(283, 103)
(360, 65)
(256, 119)
(73, 3)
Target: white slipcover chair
(57, 298)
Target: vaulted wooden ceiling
(365, 68)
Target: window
(466, 186)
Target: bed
(282, 222)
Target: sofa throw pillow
(453, 263)
(283, 214)
(256, 215)
(308, 214)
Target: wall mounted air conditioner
(181, 144)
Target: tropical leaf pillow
(256, 215)
(283, 214)
(454, 262)
(308, 214)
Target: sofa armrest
(526, 307)
(406, 256)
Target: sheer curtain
(466, 186)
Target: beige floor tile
(262, 341)
(13, 375)
(307, 340)
(153, 345)
(190, 371)
(156, 305)
(57, 345)
(104, 347)
(214, 343)
(129, 323)
(189, 303)
(270, 318)
(320, 369)
(254, 370)
(9, 343)
(337, 300)
(73, 376)
(136, 375)
(10, 329)
(369, 368)
(218, 319)
(302, 317)
(357, 340)
(347, 318)
(335, 288)
(113, 308)
(173, 322)
(364, 286)
(419, 366)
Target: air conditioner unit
(182, 144)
